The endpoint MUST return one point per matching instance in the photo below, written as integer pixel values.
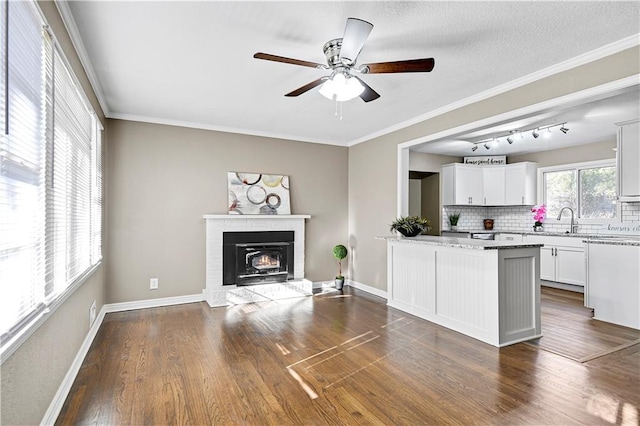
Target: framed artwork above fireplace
(258, 193)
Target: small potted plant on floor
(410, 226)
(340, 253)
(453, 220)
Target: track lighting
(513, 134)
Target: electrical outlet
(92, 313)
(153, 284)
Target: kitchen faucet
(574, 226)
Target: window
(588, 188)
(50, 173)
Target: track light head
(535, 133)
(510, 139)
(564, 129)
(473, 148)
(486, 145)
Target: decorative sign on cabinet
(508, 185)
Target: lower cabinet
(562, 259)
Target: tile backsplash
(520, 219)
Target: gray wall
(162, 179)
(575, 154)
(33, 374)
(431, 202)
(372, 207)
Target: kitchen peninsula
(488, 290)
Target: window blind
(50, 173)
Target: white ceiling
(191, 63)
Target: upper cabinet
(520, 184)
(509, 185)
(462, 184)
(629, 161)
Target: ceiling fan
(342, 54)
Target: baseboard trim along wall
(367, 288)
(55, 407)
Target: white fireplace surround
(215, 293)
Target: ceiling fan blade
(275, 58)
(356, 33)
(368, 94)
(412, 65)
(299, 91)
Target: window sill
(12, 345)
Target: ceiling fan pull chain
(338, 112)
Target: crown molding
(585, 58)
(203, 126)
(78, 45)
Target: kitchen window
(50, 175)
(588, 188)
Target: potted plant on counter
(539, 213)
(410, 226)
(453, 220)
(340, 253)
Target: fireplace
(251, 258)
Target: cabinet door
(493, 184)
(520, 184)
(468, 185)
(570, 265)
(547, 263)
(628, 160)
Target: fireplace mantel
(260, 217)
(215, 293)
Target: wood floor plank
(330, 360)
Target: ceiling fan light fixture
(342, 87)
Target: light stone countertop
(466, 243)
(612, 239)
(615, 241)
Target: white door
(547, 263)
(469, 188)
(570, 265)
(493, 185)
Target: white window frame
(25, 328)
(577, 167)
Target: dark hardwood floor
(569, 331)
(335, 358)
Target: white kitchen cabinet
(613, 289)
(508, 185)
(462, 185)
(493, 185)
(628, 157)
(520, 184)
(562, 259)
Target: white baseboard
(63, 391)
(367, 288)
(153, 303)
